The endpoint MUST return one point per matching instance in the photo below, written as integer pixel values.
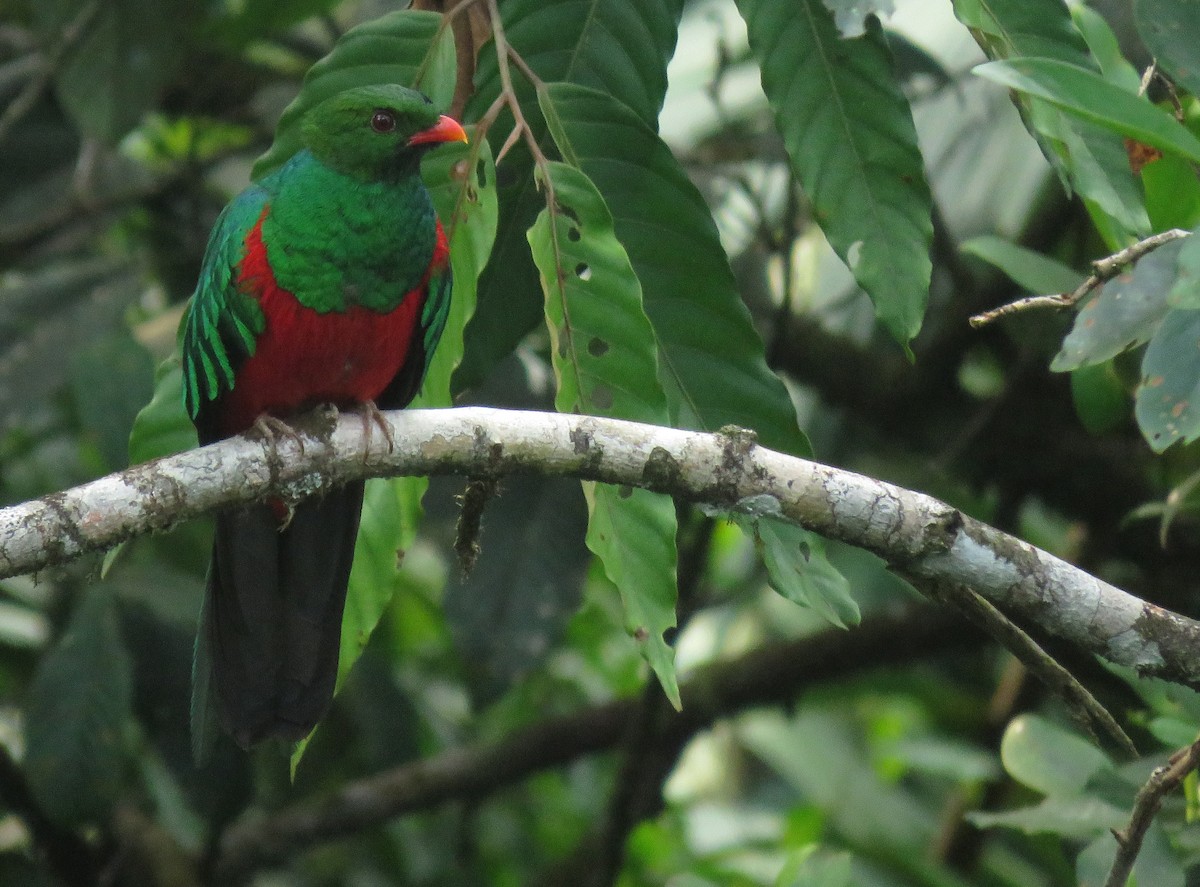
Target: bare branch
(1102, 270)
(927, 540)
(1149, 799)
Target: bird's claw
(371, 416)
(271, 429)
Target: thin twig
(1102, 270)
(1145, 807)
(1014, 639)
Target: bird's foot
(272, 429)
(372, 417)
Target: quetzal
(328, 281)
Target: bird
(326, 282)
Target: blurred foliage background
(908, 750)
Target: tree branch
(766, 676)
(927, 540)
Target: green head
(376, 133)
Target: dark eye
(383, 121)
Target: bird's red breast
(304, 357)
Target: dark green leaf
(1085, 157)
(127, 52)
(396, 48)
(1123, 313)
(509, 614)
(712, 361)
(849, 133)
(1090, 97)
(1169, 29)
(1047, 758)
(1167, 400)
(605, 362)
(1030, 270)
(1185, 291)
(620, 47)
(79, 712)
(1157, 865)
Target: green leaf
(126, 54)
(510, 612)
(620, 47)
(1185, 291)
(399, 47)
(1100, 398)
(1169, 30)
(849, 133)
(1172, 193)
(605, 363)
(162, 427)
(1086, 158)
(712, 361)
(462, 181)
(1080, 818)
(816, 870)
(1157, 865)
(1032, 271)
(1123, 313)
(799, 569)
(1047, 758)
(1090, 97)
(79, 712)
(1105, 49)
(1166, 406)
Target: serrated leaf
(799, 569)
(1088, 159)
(399, 47)
(126, 54)
(79, 711)
(605, 364)
(620, 47)
(1169, 30)
(712, 361)
(1123, 313)
(1167, 399)
(1047, 758)
(1030, 270)
(849, 133)
(1089, 96)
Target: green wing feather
(223, 323)
(435, 312)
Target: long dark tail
(267, 653)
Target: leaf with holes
(849, 133)
(1123, 313)
(712, 360)
(1168, 399)
(403, 47)
(620, 47)
(605, 363)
